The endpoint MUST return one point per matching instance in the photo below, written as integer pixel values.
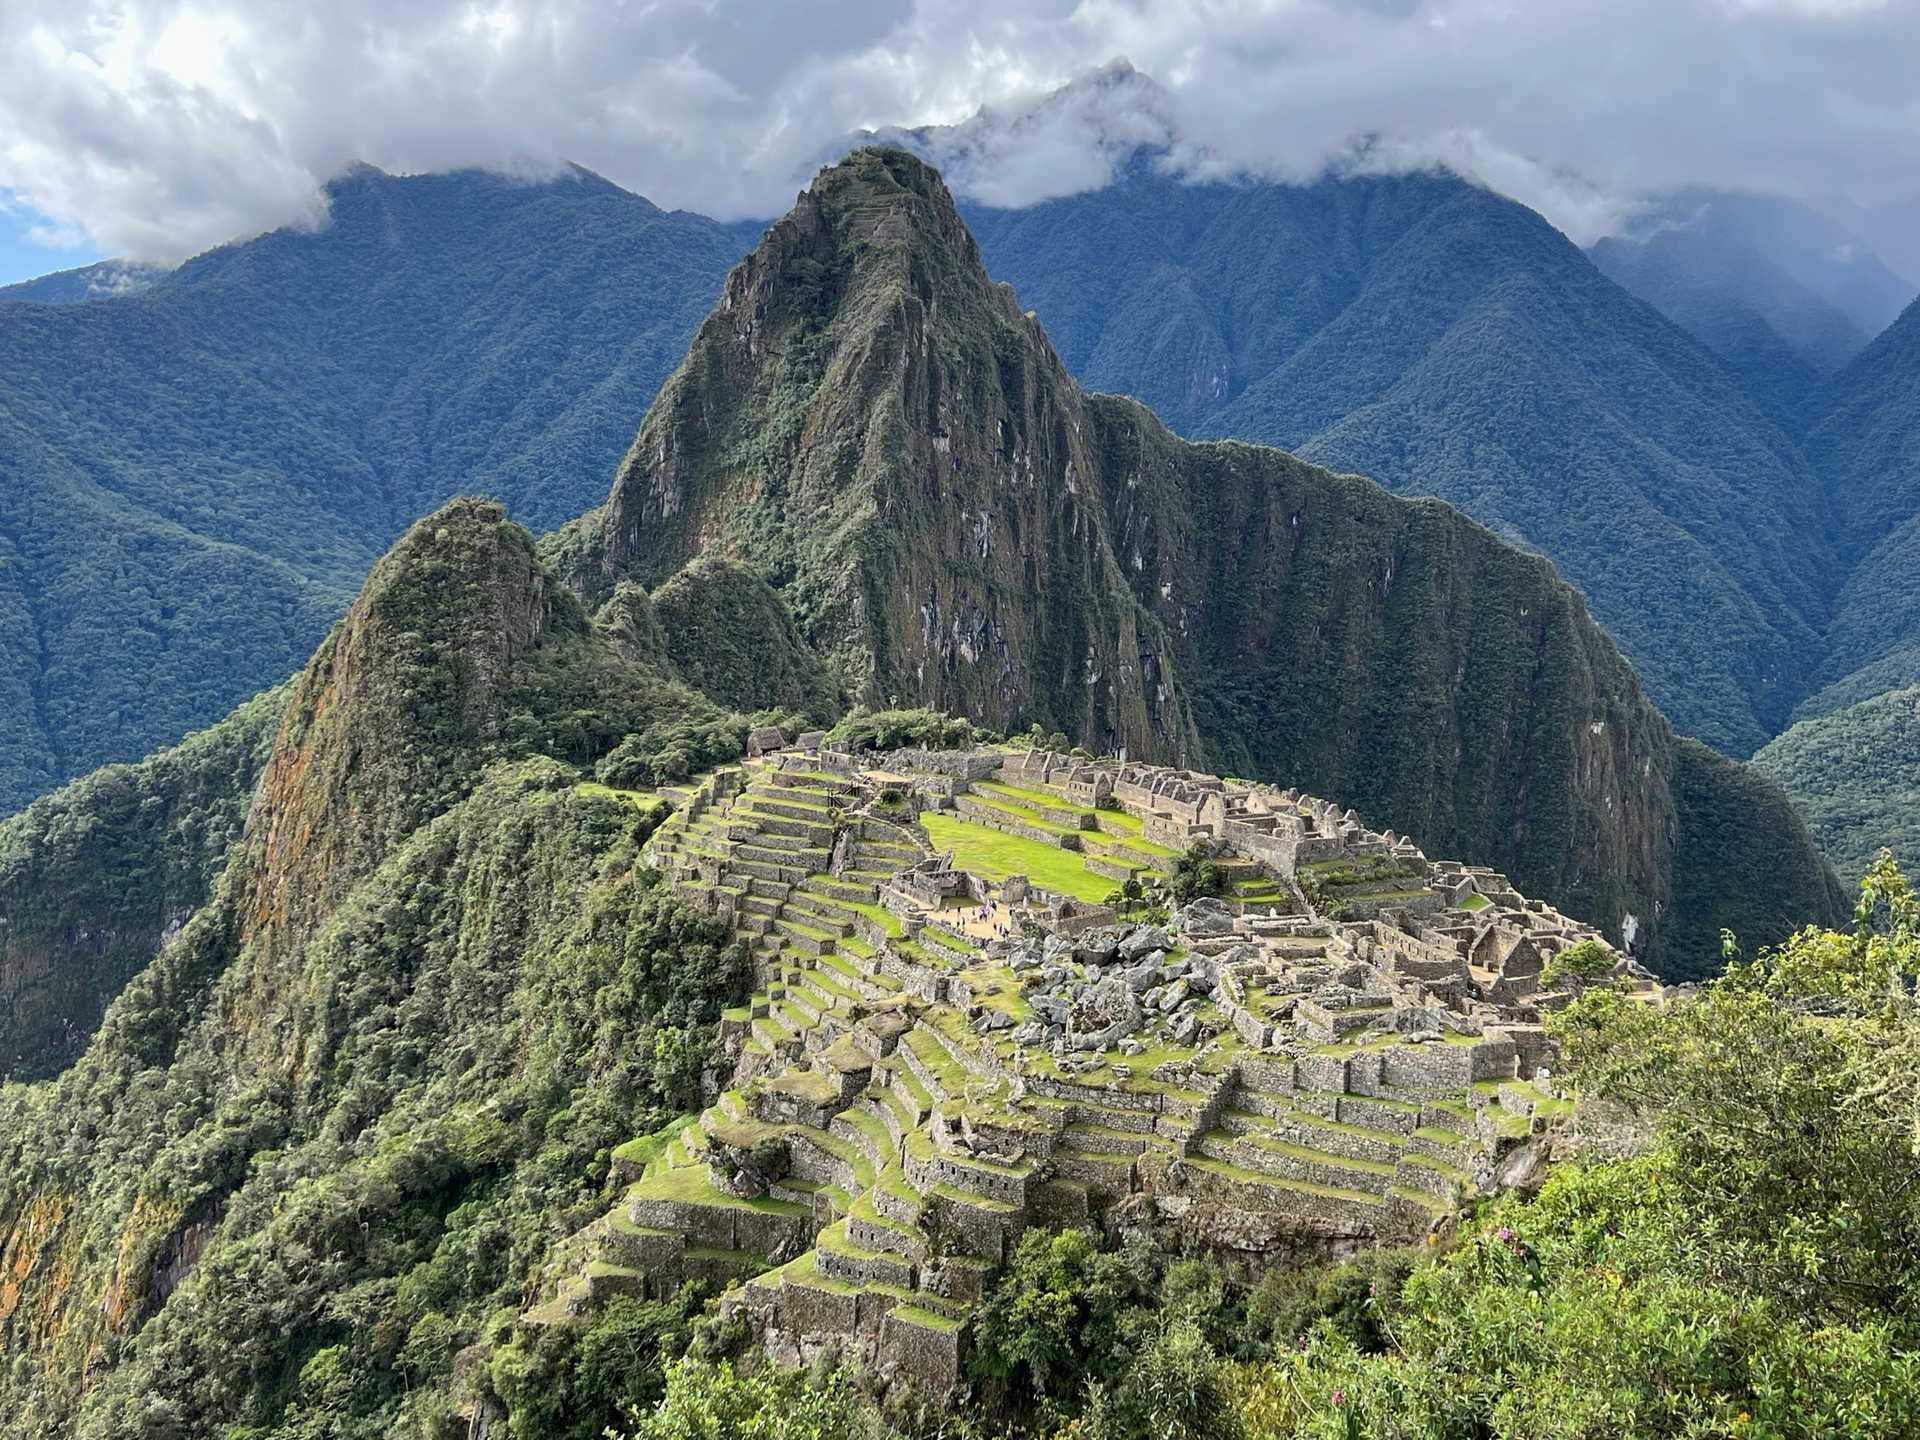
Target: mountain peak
(882, 195)
(861, 379)
(872, 426)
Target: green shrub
(899, 729)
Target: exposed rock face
(397, 705)
(869, 422)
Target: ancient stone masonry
(943, 1051)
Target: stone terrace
(953, 1038)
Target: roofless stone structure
(956, 1036)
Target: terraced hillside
(953, 1038)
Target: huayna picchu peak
(917, 917)
(871, 423)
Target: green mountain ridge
(424, 997)
(1784, 295)
(200, 474)
(1856, 772)
(1848, 762)
(1443, 340)
(186, 523)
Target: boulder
(1112, 1000)
(1205, 917)
(1143, 939)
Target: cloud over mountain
(157, 127)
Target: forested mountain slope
(94, 877)
(103, 280)
(1867, 438)
(195, 478)
(342, 1117)
(1783, 294)
(1856, 772)
(1446, 341)
(872, 424)
(1850, 759)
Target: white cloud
(157, 127)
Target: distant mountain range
(104, 280)
(1853, 760)
(1785, 295)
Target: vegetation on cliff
(1856, 773)
(341, 1120)
(95, 875)
(728, 634)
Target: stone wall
(962, 764)
(929, 1357)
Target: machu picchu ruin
(999, 988)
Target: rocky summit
(943, 1051)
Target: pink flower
(1339, 1398)
(1506, 1233)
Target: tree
(712, 1402)
(1195, 875)
(1128, 897)
(1053, 1319)
(1782, 1100)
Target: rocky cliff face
(869, 421)
(1399, 656)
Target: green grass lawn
(993, 855)
(1025, 795)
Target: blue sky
(20, 257)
